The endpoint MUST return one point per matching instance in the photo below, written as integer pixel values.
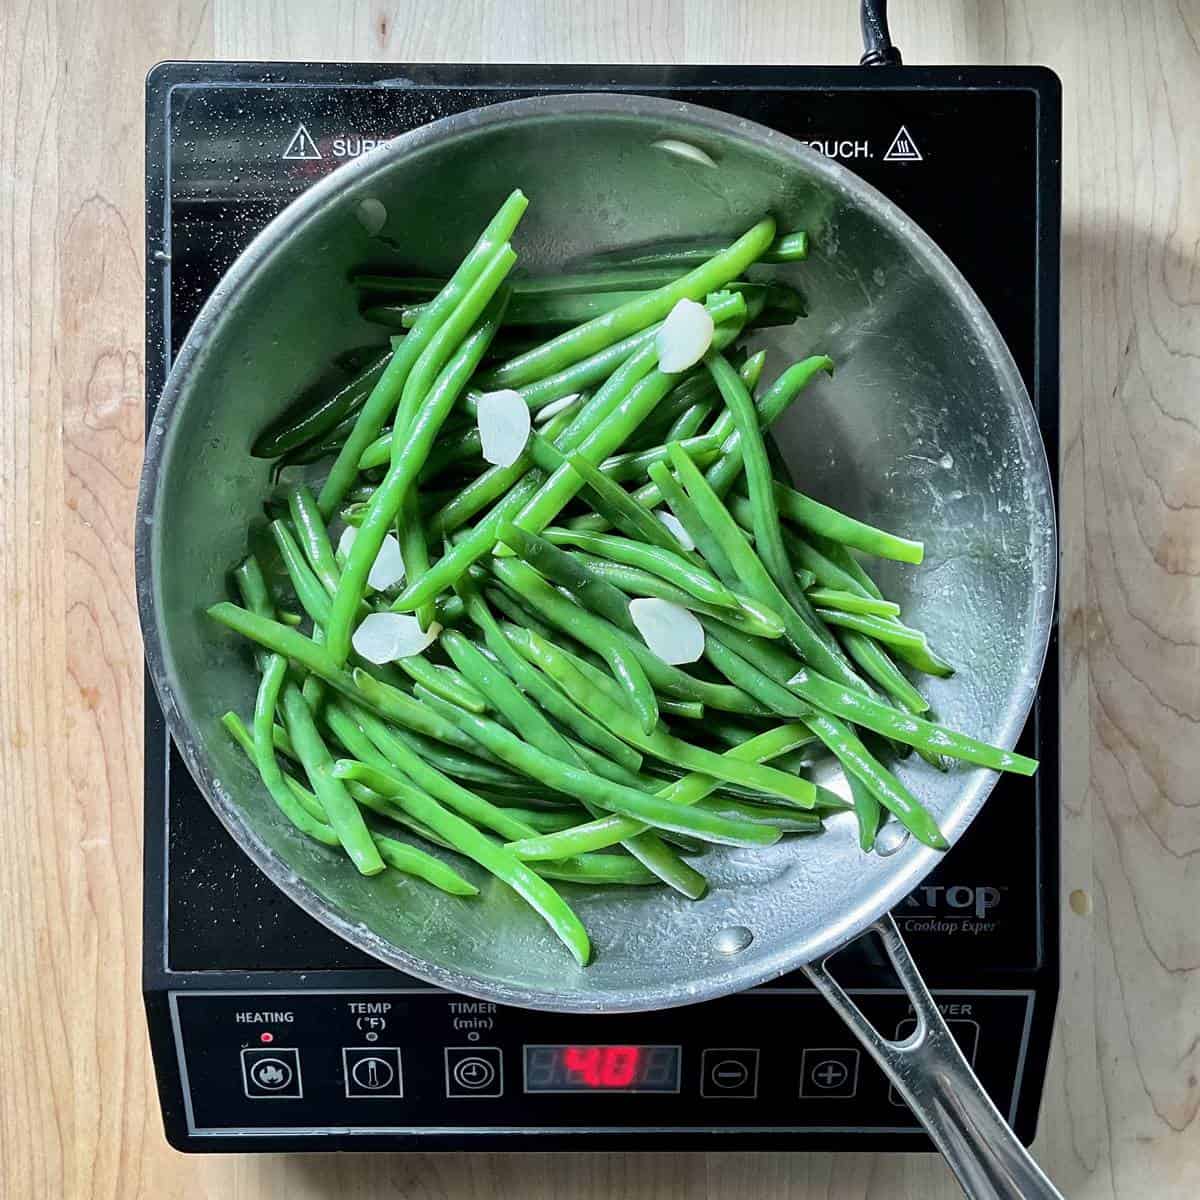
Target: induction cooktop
(269, 1032)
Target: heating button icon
(272, 1074)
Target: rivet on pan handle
(930, 1072)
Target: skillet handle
(929, 1071)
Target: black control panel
(421, 1061)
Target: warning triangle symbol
(903, 148)
(302, 145)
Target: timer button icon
(474, 1072)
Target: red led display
(603, 1066)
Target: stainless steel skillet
(926, 427)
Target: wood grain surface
(78, 1115)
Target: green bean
(691, 789)
(601, 636)
(693, 387)
(550, 820)
(253, 587)
(636, 314)
(293, 430)
(416, 862)
(389, 701)
(312, 596)
(723, 474)
(539, 733)
(387, 392)
(442, 681)
(534, 310)
(599, 870)
(613, 280)
(559, 567)
(867, 810)
(414, 547)
(262, 754)
(748, 677)
(828, 522)
(350, 735)
(397, 855)
(909, 644)
(517, 613)
(787, 247)
(805, 556)
(240, 734)
(875, 662)
(782, 305)
(340, 809)
(507, 700)
(750, 616)
(820, 648)
(605, 707)
(713, 443)
(465, 768)
(776, 816)
(688, 515)
(390, 497)
(830, 697)
(840, 555)
(688, 422)
(466, 839)
(429, 779)
(760, 583)
(849, 602)
(484, 295)
(623, 511)
(857, 760)
(728, 467)
(322, 447)
(637, 387)
(689, 710)
(495, 482)
(625, 666)
(463, 447)
(535, 684)
(657, 560)
(379, 452)
(760, 678)
(583, 375)
(702, 449)
(314, 537)
(584, 785)
(597, 429)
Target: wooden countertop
(78, 1114)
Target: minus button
(729, 1074)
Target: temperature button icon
(372, 1072)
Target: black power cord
(877, 42)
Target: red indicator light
(266, 1037)
(603, 1066)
